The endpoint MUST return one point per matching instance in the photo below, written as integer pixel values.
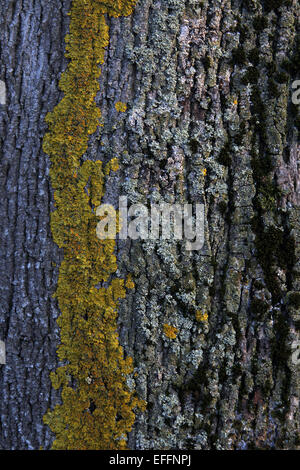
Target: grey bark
(179, 65)
(32, 58)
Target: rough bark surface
(32, 58)
(209, 120)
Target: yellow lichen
(201, 316)
(121, 107)
(170, 331)
(112, 165)
(129, 282)
(96, 413)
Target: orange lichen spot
(121, 107)
(201, 316)
(235, 101)
(129, 282)
(112, 165)
(170, 331)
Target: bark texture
(209, 120)
(32, 58)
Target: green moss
(270, 5)
(273, 89)
(212, 291)
(207, 62)
(259, 115)
(224, 158)
(249, 4)
(269, 196)
(253, 55)
(291, 66)
(295, 115)
(237, 371)
(194, 145)
(258, 106)
(222, 207)
(198, 386)
(261, 167)
(295, 110)
(259, 308)
(260, 23)
(251, 76)
(258, 284)
(281, 77)
(274, 248)
(243, 30)
(239, 137)
(294, 299)
(281, 353)
(239, 56)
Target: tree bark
(32, 58)
(209, 120)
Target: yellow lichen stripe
(97, 407)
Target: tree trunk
(32, 58)
(209, 119)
